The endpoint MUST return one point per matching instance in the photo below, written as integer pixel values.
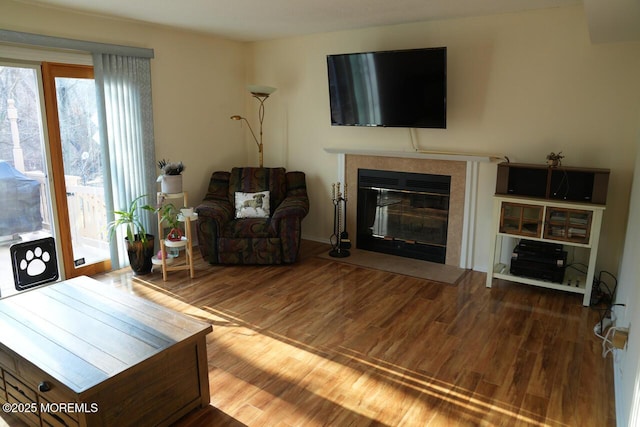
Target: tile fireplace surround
(462, 168)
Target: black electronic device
(586, 185)
(539, 260)
(398, 88)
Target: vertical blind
(126, 117)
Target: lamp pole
(261, 93)
(261, 97)
(259, 144)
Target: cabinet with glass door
(574, 225)
(521, 219)
(571, 225)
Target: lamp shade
(261, 90)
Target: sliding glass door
(50, 166)
(72, 120)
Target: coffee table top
(83, 332)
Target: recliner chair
(236, 224)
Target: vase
(140, 254)
(171, 184)
(175, 235)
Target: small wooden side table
(186, 243)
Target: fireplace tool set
(340, 242)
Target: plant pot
(140, 255)
(171, 184)
(175, 234)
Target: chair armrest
(213, 214)
(286, 222)
(217, 210)
(216, 205)
(291, 207)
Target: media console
(573, 225)
(547, 213)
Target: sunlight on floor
(363, 373)
(267, 373)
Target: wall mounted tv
(399, 88)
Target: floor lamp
(261, 93)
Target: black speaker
(558, 183)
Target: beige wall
(627, 361)
(198, 82)
(519, 85)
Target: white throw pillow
(252, 205)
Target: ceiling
(254, 20)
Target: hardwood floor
(326, 343)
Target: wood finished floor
(322, 343)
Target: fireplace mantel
(423, 154)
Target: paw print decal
(35, 262)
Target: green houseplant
(169, 216)
(140, 244)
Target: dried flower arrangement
(171, 168)
(555, 159)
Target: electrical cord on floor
(603, 323)
(602, 297)
(607, 342)
(606, 349)
(601, 292)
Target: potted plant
(169, 216)
(140, 244)
(554, 159)
(171, 177)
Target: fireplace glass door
(403, 214)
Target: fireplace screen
(404, 214)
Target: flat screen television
(399, 88)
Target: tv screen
(400, 88)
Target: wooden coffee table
(81, 353)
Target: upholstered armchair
(252, 216)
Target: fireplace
(463, 170)
(404, 214)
